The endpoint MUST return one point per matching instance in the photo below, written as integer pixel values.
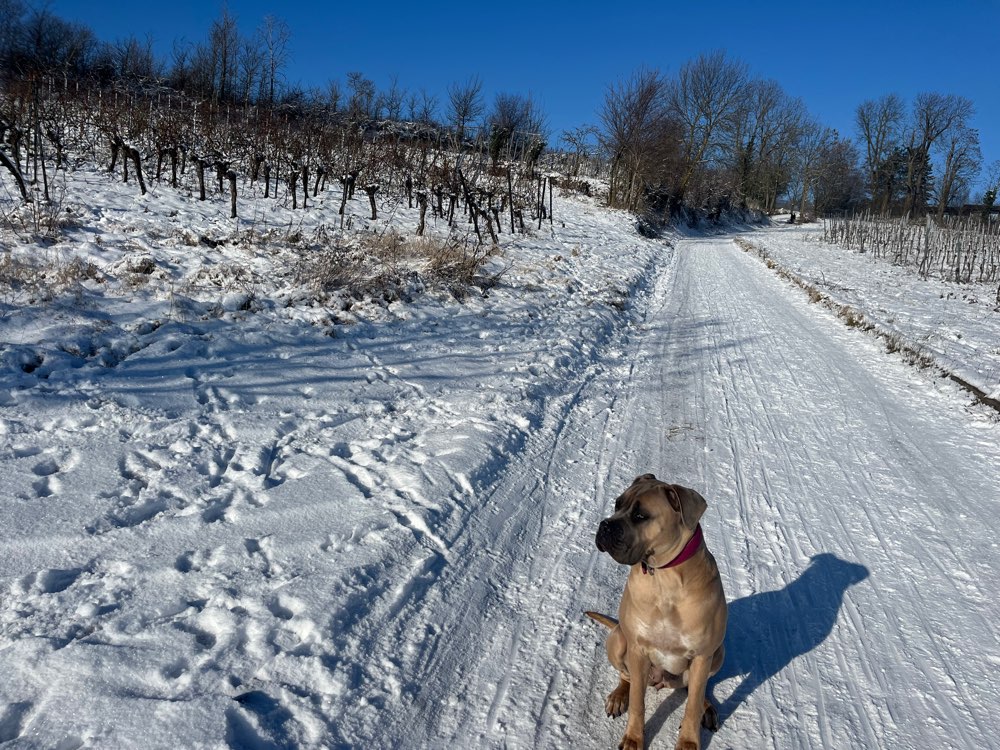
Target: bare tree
(702, 100)
(389, 103)
(812, 141)
(423, 107)
(12, 11)
(635, 135)
(135, 60)
(224, 46)
(517, 126)
(202, 71)
(465, 105)
(580, 142)
(179, 74)
(838, 183)
(361, 97)
(250, 70)
(43, 42)
(962, 158)
(879, 126)
(274, 35)
(934, 115)
(762, 130)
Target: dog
(672, 617)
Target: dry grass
(570, 186)
(24, 281)
(39, 218)
(389, 266)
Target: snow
(236, 514)
(956, 325)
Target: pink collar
(694, 543)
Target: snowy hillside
(237, 511)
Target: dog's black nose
(609, 535)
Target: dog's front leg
(690, 735)
(638, 670)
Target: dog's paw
(617, 701)
(631, 742)
(687, 745)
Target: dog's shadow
(767, 631)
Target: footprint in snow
(13, 718)
(47, 471)
(51, 581)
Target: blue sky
(833, 56)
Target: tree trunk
(343, 197)
(371, 190)
(422, 204)
(201, 163)
(16, 173)
(115, 147)
(540, 204)
(510, 199)
(550, 202)
(489, 228)
(471, 204)
(136, 158)
(231, 176)
(947, 181)
(439, 201)
(40, 156)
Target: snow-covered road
(274, 538)
(852, 511)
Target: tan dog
(672, 617)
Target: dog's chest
(664, 635)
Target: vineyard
(961, 249)
(290, 154)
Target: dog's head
(651, 518)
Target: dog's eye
(638, 515)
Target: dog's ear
(644, 478)
(687, 502)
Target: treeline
(921, 155)
(230, 67)
(709, 138)
(714, 137)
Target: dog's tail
(609, 622)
